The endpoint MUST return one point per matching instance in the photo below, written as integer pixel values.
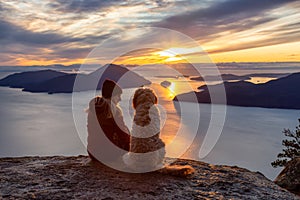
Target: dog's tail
(178, 170)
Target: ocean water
(41, 124)
(37, 124)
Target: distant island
(224, 77)
(281, 93)
(165, 84)
(52, 81)
(232, 77)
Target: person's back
(108, 136)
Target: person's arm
(122, 130)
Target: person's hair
(110, 88)
(100, 107)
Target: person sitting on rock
(108, 136)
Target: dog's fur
(178, 170)
(147, 150)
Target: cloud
(221, 16)
(263, 43)
(70, 53)
(70, 29)
(96, 5)
(16, 40)
(79, 5)
(233, 17)
(19, 44)
(11, 33)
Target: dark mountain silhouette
(224, 77)
(271, 75)
(231, 77)
(23, 79)
(57, 82)
(280, 93)
(126, 78)
(62, 84)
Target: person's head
(111, 90)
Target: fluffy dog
(147, 150)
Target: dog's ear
(135, 97)
(134, 103)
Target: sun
(166, 53)
(168, 56)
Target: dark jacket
(105, 119)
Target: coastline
(75, 177)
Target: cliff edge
(61, 177)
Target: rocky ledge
(78, 178)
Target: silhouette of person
(108, 136)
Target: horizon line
(68, 65)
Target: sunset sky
(34, 32)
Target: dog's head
(143, 100)
(144, 96)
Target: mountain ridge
(52, 81)
(280, 93)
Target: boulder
(289, 177)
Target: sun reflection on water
(171, 90)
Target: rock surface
(77, 178)
(289, 177)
